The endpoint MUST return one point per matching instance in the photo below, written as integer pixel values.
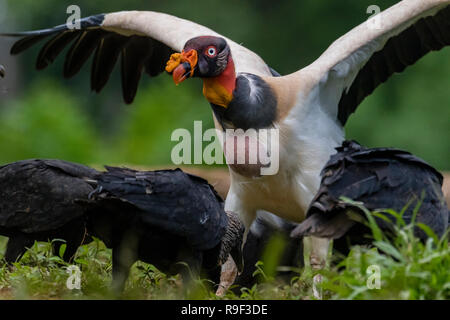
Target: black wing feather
(157, 62)
(139, 53)
(29, 38)
(39, 195)
(171, 200)
(81, 50)
(380, 178)
(134, 56)
(26, 43)
(53, 48)
(105, 59)
(427, 34)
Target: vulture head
(209, 58)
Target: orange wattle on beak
(182, 65)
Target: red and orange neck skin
(219, 90)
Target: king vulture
(379, 179)
(309, 108)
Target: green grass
(408, 269)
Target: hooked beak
(181, 73)
(182, 65)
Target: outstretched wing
(357, 63)
(143, 39)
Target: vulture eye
(211, 52)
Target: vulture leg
(56, 246)
(123, 257)
(75, 236)
(120, 269)
(189, 266)
(72, 245)
(16, 247)
(318, 252)
(71, 249)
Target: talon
(317, 292)
(228, 276)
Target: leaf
(55, 259)
(389, 249)
(382, 215)
(62, 250)
(431, 257)
(81, 261)
(377, 233)
(417, 207)
(357, 291)
(430, 233)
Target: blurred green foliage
(57, 118)
(46, 123)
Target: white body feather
(308, 136)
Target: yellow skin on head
(177, 58)
(173, 62)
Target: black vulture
(37, 203)
(163, 217)
(379, 178)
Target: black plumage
(380, 178)
(53, 48)
(135, 55)
(263, 229)
(105, 59)
(80, 51)
(249, 110)
(2, 71)
(37, 203)
(163, 217)
(32, 37)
